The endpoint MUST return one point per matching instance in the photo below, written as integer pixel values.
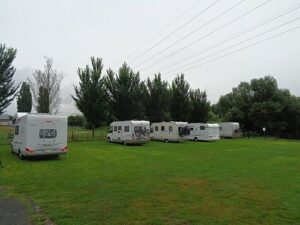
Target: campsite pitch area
(241, 181)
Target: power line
(194, 31)
(173, 32)
(283, 13)
(163, 29)
(240, 49)
(202, 37)
(234, 45)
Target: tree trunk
(93, 131)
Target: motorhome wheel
(21, 156)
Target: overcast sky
(72, 31)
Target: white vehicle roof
(176, 122)
(204, 124)
(133, 122)
(20, 114)
(38, 115)
(233, 123)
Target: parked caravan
(129, 132)
(204, 132)
(229, 130)
(39, 134)
(170, 131)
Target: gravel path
(12, 212)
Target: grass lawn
(241, 181)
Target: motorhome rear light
(29, 150)
(65, 149)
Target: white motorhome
(169, 131)
(230, 129)
(204, 132)
(129, 132)
(39, 134)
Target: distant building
(4, 120)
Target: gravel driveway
(12, 212)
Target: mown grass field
(241, 181)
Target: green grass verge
(242, 181)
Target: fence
(80, 134)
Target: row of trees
(106, 96)
(123, 96)
(260, 103)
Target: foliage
(45, 87)
(76, 121)
(24, 99)
(200, 107)
(158, 99)
(8, 88)
(90, 96)
(259, 104)
(180, 106)
(126, 94)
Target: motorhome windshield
(137, 129)
(183, 131)
(110, 129)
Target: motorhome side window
(48, 133)
(162, 128)
(17, 130)
(170, 128)
(191, 128)
(126, 128)
(119, 127)
(115, 128)
(202, 127)
(156, 128)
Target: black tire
(21, 156)
(166, 140)
(195, 139)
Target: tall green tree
(266, 106)
(158, 99)
(199, 106)
(8, 88)
(24, 99)
(180, 106)
(126, 93)
(90, 96)
(259, 104)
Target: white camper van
(230, 130)
(129, 132)
(39, 134)
(169, 131)
(204, 132)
